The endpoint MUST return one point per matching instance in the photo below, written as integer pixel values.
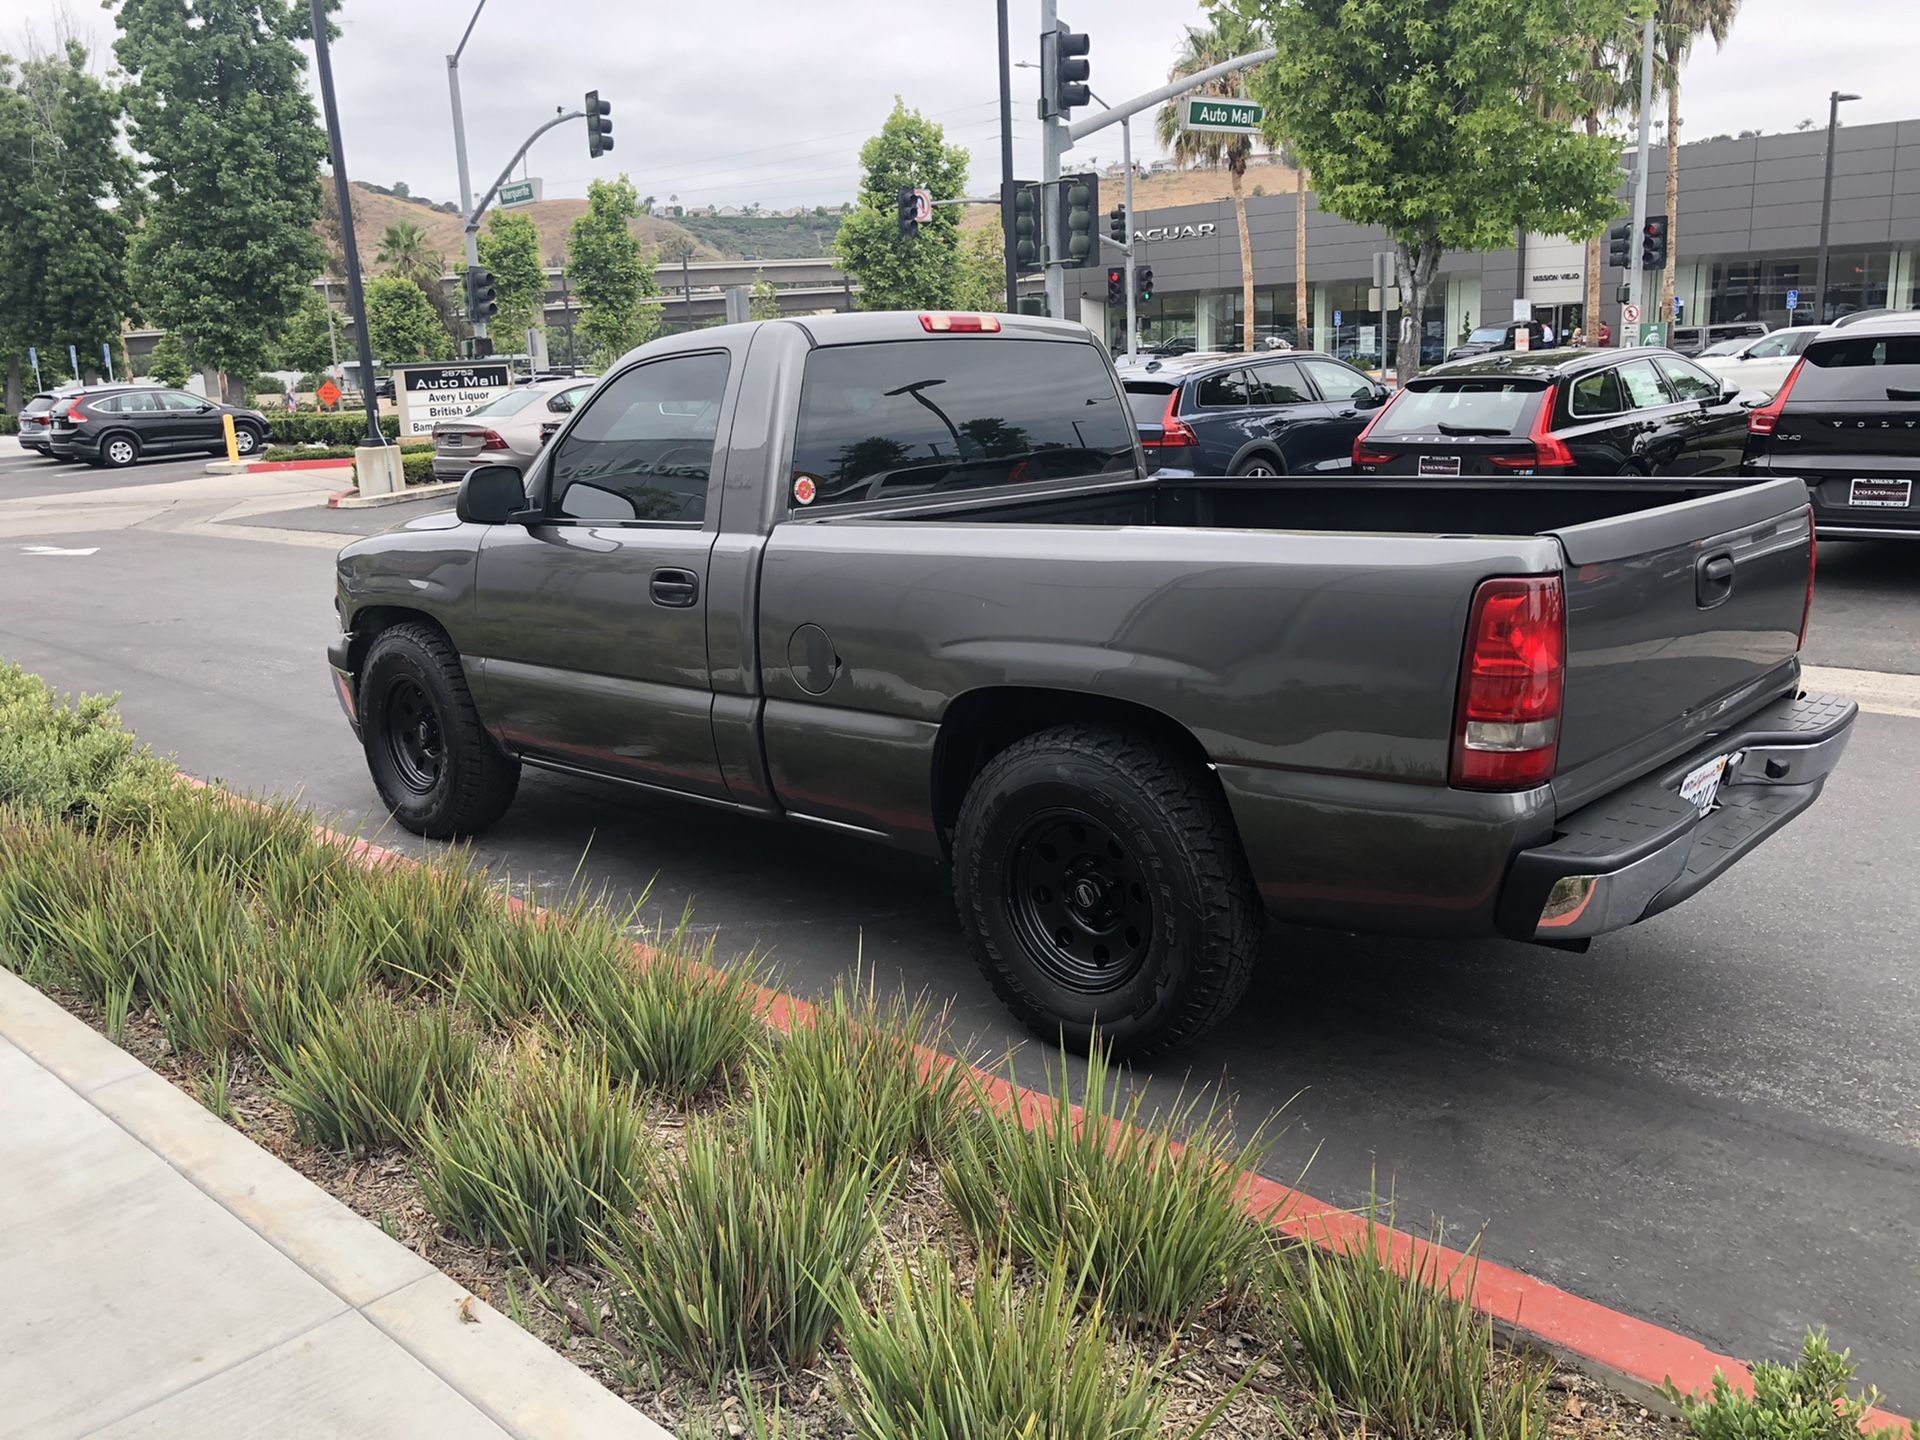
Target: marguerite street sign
(1210, 112)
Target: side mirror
(204, 406)
(491, 495)
(1380, 395)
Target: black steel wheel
(412, 734)
(1081, 903)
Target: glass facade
(1756, 288)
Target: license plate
(1881, 494)
(1702, 783)
(1443, 465)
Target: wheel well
(119, 435)
(1261, 449)
(981, 723)
(368, 623)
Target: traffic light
(1143, 283)
(1620, 246)
(1079, 202)
(1025, 227)
(1116, 285)
(480, 301)
(1653, 243)
(907, 211)
(1064, 69)
(1117, 224)
(599, 125)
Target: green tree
(168, 363)
(764, 303)
(401, 323)
(510, 248)
(983, 270)
(1437, 120)
(1677, 24)
(611, 272)
(405, 250)
(897, 272)
(70, 197)
(1202, 50)
(306, 342)
(217, 108)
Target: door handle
(1713, 579)
(675, 589)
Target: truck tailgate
(1681, 620)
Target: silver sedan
(509, 431)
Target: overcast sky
(800, 85)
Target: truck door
(591, 622)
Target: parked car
(1249, 414)
(36, 419)
(115, 425)
(1758, 364)
(1489, 338)
(507, 431)
(1693, 339)
(1847, 421)
(904, 577)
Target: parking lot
(1711, 1121)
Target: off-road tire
(476, 780)
(1169, 816)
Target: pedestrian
(1605, 335)
(1578, 339)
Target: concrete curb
(507, 1374)
(354, 500)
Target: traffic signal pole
(460, 148)
(1636, 274)
(1006, 161)
(1133, 290)
(343, 196)
(1053, 144)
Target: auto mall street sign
(1199, 230)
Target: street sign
(1793, 300)
(922, 204)
(521, 192)
(1629, 314)
(328, 394)
(1336, 319)
(1653, 334)
(1230, 117)
(426, 393)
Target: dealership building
(1746, 237)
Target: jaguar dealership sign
(1200, 230)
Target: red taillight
(1813, 556)
(940, 322)
(1550, 452)
(1507, 732)
(1762, 420)
(72, 411)
(1364, 456)
(490, 440)
(1174, 432)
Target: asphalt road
(1711, 1121)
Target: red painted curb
(333, 500)
(263, 467)
(1551, 1317)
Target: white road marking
(1880, 692)
(56, 550)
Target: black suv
(1262, 414)
(1559, 412)
(115, 425)
(1847, 421)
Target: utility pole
(1006, 160)
(356, 297)
(1636, 273)
(1826, 208)
(1133, 290)
(472, 237)
(1053, 144)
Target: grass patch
(1390, 1346)
(526, 965)
(673, 1022)
(536, 1157)
(418, 918)
(1158, 1225)
(1807, 1400)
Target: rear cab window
(1470, 405)
(904, 418)
(1876, 369)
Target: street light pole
(460, 149)
(356, 297)
(1826, 208)
(1635, 275)
(1006, 161)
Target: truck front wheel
(1103, 890)
(432, 760)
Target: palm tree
(1607, 87)
(1302, 326)
(404, 250)
(1201, 50)
(1677, 24)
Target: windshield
(1860, 367)
(1488, 335)
(1149, 400)
(1725, 347)
(512, 403)
(1502, 406)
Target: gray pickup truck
(906, 577)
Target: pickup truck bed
(915, 584)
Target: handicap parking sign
(1336, 319)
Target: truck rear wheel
(1103, 890)
(432, 760)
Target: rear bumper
(1644, 848)
(1833, 517)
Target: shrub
(536, 1156)
(1159, 1226)
(306, 969)
(739, 1256)
(343, 427)
(417, 918)
(367, 1071)
(848, 1082)
(525, 964)
(9, 424)
(1392, 1345)
(1807, 1400)
(671, 1022)
(1008, 1359)
(307, 452)
(63, 758)
(417, 467)
(45, 868)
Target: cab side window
(1596, 395)
(643, 449)
(1229, 390)
(1644, 387)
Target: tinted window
(1594, 395)
(1226, 390)
(177, 400)
(1494, 404)
(1336, 381)
(1148, 401)
(643, 450)
(564, 402)
(512, 403)
(1645, 390)
(1860, 367)
(1282, 384)
(1684, 336)
(1488, 335)
(917, 417)
(1690, 383)
(38, 404)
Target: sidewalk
(161, 1275)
